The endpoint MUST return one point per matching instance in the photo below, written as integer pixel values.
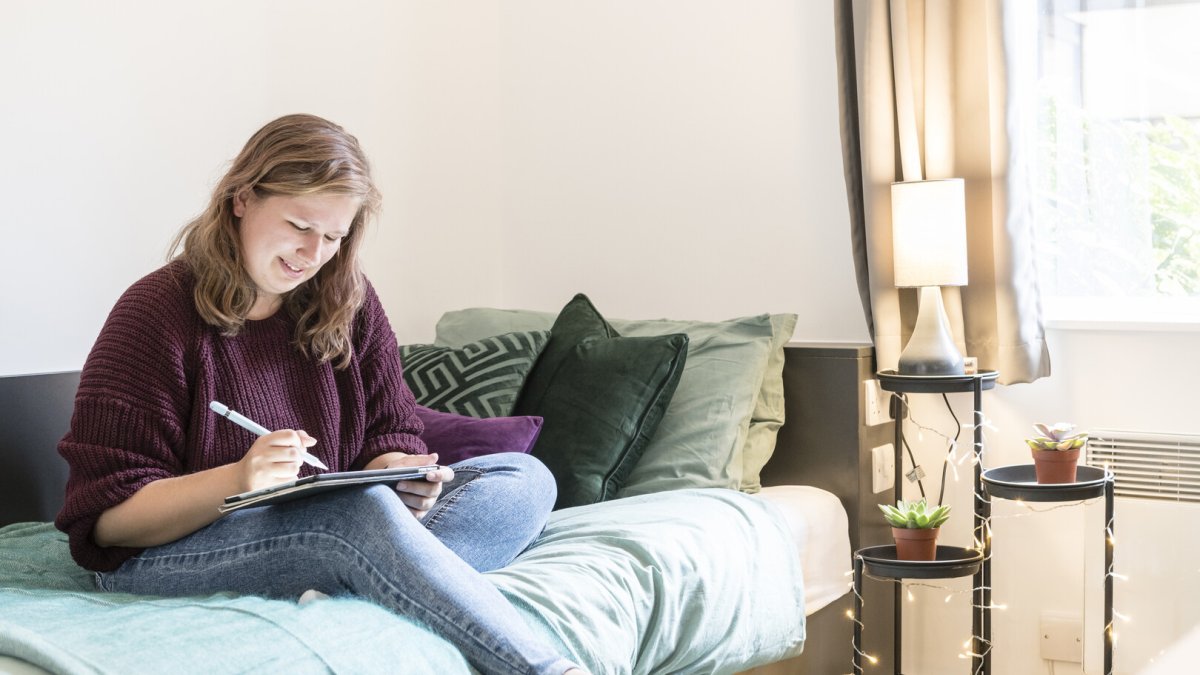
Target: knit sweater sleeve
(130, 414)
(391, 419)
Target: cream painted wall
(116, 120)
(676, 163)
(667, 162)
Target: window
(1118, 171)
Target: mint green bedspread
(691, 581)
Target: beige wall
(117, 118)
(674, 161)
(667, 160)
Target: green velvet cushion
(480, 379)
(721, 425)
(601, 397)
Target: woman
(266, 310)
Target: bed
(703, 580)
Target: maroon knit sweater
(141, 412)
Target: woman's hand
(419, 495)
(169, 508)
(273, 459)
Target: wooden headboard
(824, 442)
(35, 411)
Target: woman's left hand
(419, 495)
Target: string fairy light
(861, 603)
(957, 456)
(977, 647)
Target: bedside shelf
(1019, 481)
(891, 380)
(952, 561)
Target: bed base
(824, 443)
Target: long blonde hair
(293, 155)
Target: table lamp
(929, 242)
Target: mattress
(821, 531)
(696, 581)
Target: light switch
(876, 403)
(1061, 637)
(883, 467)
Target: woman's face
(286, 239)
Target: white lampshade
(929, 233)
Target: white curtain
(929, 90)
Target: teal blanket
(692, 581)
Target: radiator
(1157, 597)
(1149, 465)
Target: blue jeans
(362, 541)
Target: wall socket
(876, 404)
(883, 467)
(1061, 636)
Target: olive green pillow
(767, 417)
(601, 397)
(722, 423)
(701, 441)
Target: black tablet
(322, 482)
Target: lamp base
(931, 349)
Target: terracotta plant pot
(915, 544)
(1055, 466)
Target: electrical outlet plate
(883, 468)
(876, 403)
(1061, 636)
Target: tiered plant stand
(951, 561)
(1020, 482)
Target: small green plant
(1057, 437)
(913, 515)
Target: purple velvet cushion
(458, 437)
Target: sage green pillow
(700, 441)
(601, 397)
(767, 417)
(721, 425)
(479, 379)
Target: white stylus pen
(257, 429)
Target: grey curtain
(933, 89)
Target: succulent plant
(1057, 437)
(915, 515)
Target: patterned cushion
(481, 379)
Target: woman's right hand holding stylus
(169, 508)
(273, 459)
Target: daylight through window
(1118, 175)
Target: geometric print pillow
(480, 379)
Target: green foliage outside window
(1118, 209)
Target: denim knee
(532, 482)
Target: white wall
(116, 120)
(673, 161)
(669, 160)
